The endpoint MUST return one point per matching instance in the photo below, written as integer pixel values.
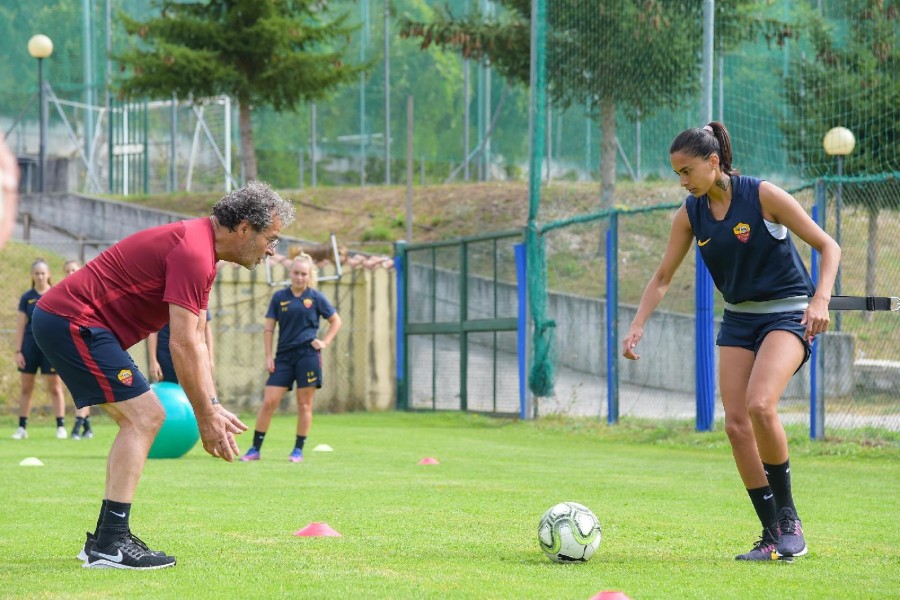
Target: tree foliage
(261, 53)
(632, 56)
(853, 83)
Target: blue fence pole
(400, 268)
(817, 358)
(705, 349)
(612, 319)
(522, 323)
(814, 354)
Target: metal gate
(462, 317)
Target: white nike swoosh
(117, 557)
(767, 496)
(120, 515)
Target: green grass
(672, 508)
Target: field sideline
(671, 505)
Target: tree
(634, 56)
(272, 53)
(855, 84)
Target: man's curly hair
(256, 203)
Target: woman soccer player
(772, 312)
(296, 309)
(30, 358)
(82, 428)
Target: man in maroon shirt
(86, 324)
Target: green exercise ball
(179, 432)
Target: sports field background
(671, 505)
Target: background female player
(29, 357)
(772, 312)
(160, 365)
(296, 309)
(82, 428)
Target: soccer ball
(569, 532)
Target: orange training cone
(429, 461)
(317, 530)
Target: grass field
(672, 508)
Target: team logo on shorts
(742, 232)
(126, 376)
(307, 302)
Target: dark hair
(256, 203)
(704, 142)
(41, 261)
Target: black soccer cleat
(764, 548)
(127, 552)
(791, 541)
(91, 538)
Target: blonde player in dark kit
(742, 226)
(296, 310)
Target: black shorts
(89, 360)
(35, 358)
(303, 365)
(748, 330)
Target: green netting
(625, 78)
(785, 72)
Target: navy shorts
(748, 330)
(167, 367)
(34, 358)
(303, 365)
(90, 360)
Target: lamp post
(41, 47)
(838, 142)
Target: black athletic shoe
(91, 538)
(764, 548)
(127, 552)
(791, 541)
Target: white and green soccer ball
(569, 532)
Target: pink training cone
(610, 595)
(317, 530)
(429, 461)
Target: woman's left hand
(816, 317)
(318, 344)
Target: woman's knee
(738, 429)
(762, 409)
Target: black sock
(779, 477)
(86, 422)
(78, 422)
(115, 523)
(258, 438)
(301, 439)
(764, 502)
(23, 422)
(60, 421)
(100, 518)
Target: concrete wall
(667, 350)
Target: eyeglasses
(273, 241)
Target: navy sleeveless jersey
(26, 305)
(746, 262)
(298, 316)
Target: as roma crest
(126, 376)
(307, 302)
(742, 232)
